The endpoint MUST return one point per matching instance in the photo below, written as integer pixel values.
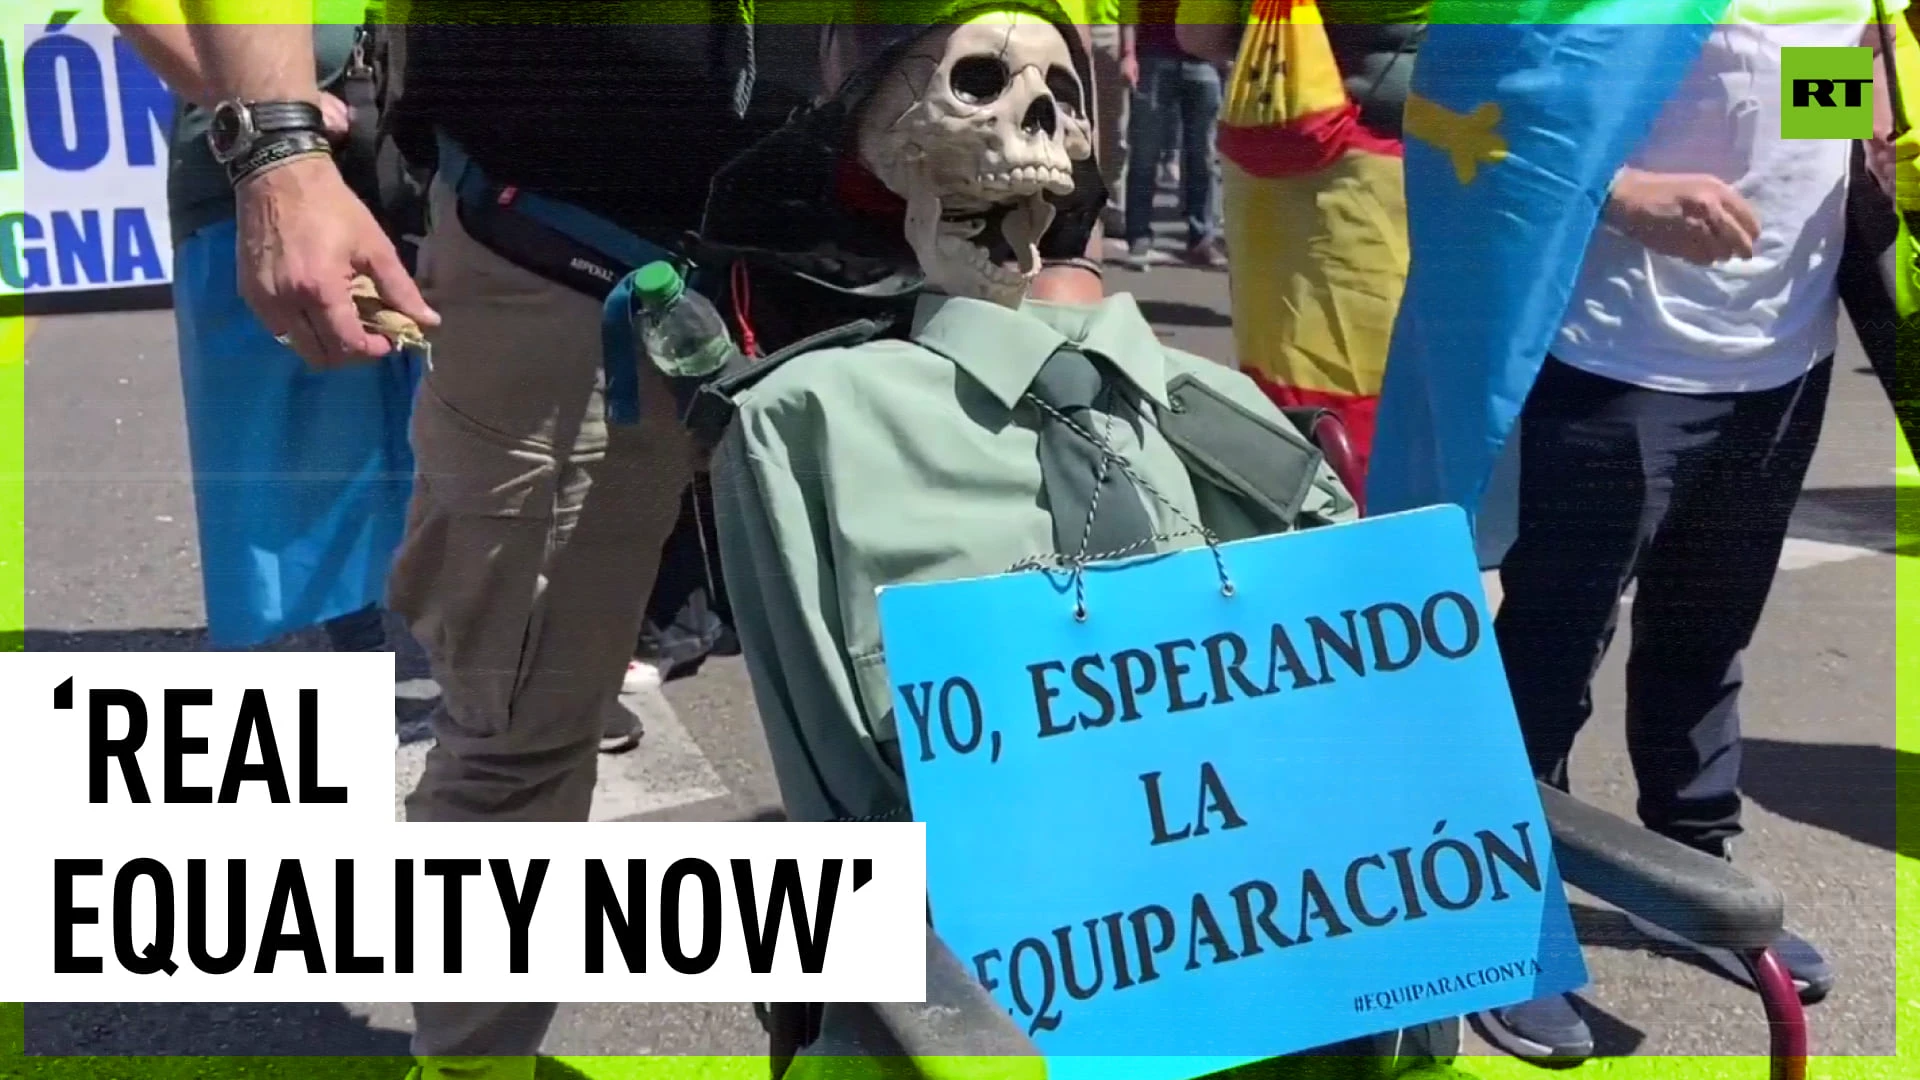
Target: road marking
(1797, 554)
(1800, 554)
(667, 770)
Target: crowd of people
(536, 551)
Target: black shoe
(1545, 1031)
(621, 730)
(1812, 976)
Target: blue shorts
(300, 477)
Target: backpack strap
(359, 86)
(1269, 467)
(379, 158)
(713, 407)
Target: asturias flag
(1515, 128)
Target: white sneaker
(641, 677)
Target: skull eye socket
(978, 80)
(1064, 85)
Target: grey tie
(1073, 469)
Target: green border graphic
(15, 1064)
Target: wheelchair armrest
(1701, 898)
(958, 1020)
(1329, 434)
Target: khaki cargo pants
(531, 548)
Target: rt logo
(1827, 93)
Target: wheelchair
(1703, 899)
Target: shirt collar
(1003, 349)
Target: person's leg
(1594, 483)
(1200, 100)
(1147, 126)
(1592, 490)
(531, 546)
(1110, 94)
(1702, 588)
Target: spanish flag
(1314, 213)
(1515, 130)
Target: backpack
(388, 156)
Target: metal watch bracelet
(274, 150)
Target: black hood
(799, 197)
(858, 52)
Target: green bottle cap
(658, 284)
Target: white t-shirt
(1751, 324)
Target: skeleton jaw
(985, 251)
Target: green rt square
(1826, 93)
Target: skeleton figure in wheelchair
(947, 423)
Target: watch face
(229, 130)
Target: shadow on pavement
(230, 1042)
(1849, 789)
(1865, 517)
(1612, 1036)
(1181, 313)
(222, 1030)
(147, 640)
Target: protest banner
(220, 827)
(83, 156)
(1210, 825)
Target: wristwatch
(239, 125)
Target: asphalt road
(112, 565)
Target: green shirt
(198, 193)
(917, 460)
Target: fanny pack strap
(569, 246)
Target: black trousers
(691, 559)
(1690, 496)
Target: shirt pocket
(875, 693)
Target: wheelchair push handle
(1701, 898)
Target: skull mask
(974, 127)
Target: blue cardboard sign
(1204, 827)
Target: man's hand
(303, 238)
(1130, 70)
(1699, 218)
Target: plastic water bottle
(682, 332)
